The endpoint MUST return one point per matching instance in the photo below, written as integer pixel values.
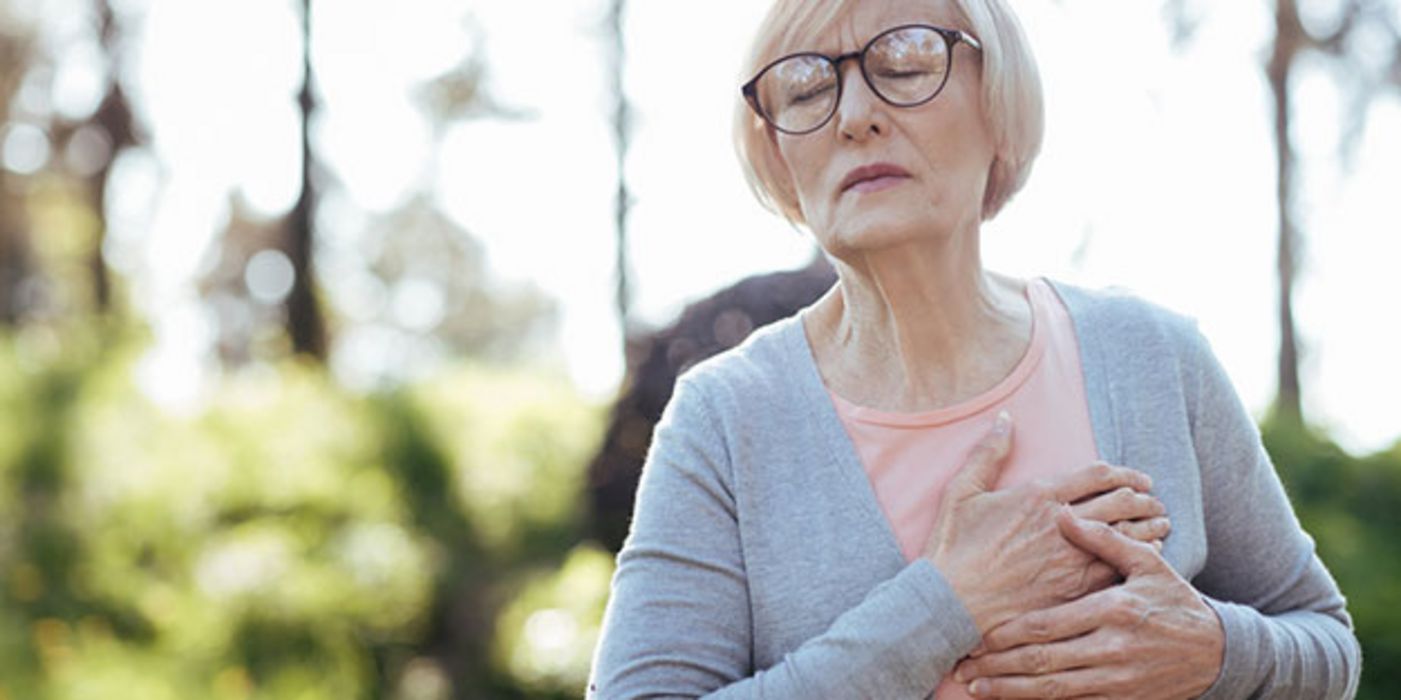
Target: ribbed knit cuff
(1242, 650)
(952, 619)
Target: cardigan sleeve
(1288, 633)
(678, 622)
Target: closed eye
(810, 95)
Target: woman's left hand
(1150, 637)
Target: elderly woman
(937, 479)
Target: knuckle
(981, 453)
(1123, 614)
(1101, 471)
(1117, 654)
(1051, 688)
(1150, 506)
(1038, 629)
(1039, 659)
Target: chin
(879, 230)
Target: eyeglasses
(905, 66)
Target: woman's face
(940, 150)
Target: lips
(869, 173)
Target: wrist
(982, 607)
(1212, 643)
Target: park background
(303, 383)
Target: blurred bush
(296, 540)
(292, 540)
(1352, 507)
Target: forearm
(1288, 633)
(1297, 654)
(898, 642)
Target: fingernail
(977, 687)
(959, 676)
(1003, 423)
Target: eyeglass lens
(905, 66)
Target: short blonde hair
(1012, 100)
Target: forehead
(855, 22)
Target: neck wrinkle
(916, 329)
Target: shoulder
(763, 366)
(1117, 310)
(720, 403)
(1120, 323)
(1140, 347)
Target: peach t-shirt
(909, 457)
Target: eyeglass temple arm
(968, 39)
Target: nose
(859, 114)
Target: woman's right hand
(1002, 551)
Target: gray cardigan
(760, 565)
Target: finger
(1098, 478)
(1061, 684)
(1123, 503)
(1027, 660)
(984, 464)
(1120, 552)
(1150, 530)
(1047, 625)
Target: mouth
(874, 177)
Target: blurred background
(332, 334)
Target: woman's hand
(1002, 551)
(1152, 637)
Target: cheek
(805, 170)
(959, 157)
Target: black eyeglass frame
(952, 38)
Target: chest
(816, 547)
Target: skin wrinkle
(915, 323)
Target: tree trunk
(1289, 40)
(622, 125)
(305, 326)
(115, 118)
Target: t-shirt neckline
(1021, 372)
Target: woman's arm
(1287, 628)
(678, 619)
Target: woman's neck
(912, 330)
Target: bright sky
(1157, 172)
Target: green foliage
(1352, 507)
(295, 540)
(291, 540)
(546, 637)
